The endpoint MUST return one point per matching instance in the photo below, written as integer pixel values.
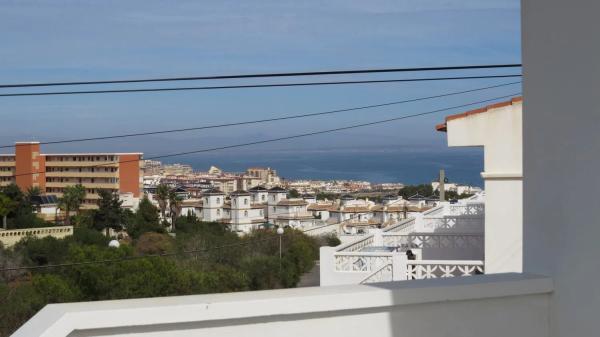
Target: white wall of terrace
(483, 306)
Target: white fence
(434, 240)
(402, 269)
(11, 237)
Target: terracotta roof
(277, 189)
(192, 203)
(240, 192)
(213, 191)
(320, 207)
(353, 209)
(443, 127)
(292, 202)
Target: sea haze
(405, 166)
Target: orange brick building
(118, 172)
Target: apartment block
(28, 167)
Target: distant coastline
(377, 167)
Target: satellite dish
(114, 244)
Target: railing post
(399, 267)
(327, 266)
(377, 238)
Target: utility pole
(441, 186)
(280, 233)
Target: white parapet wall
(11, 237)
(483, 306)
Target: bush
(154, 243)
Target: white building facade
(498, 129)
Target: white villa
(248, 210)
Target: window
(218, 211)
(245, 201)
(263, 198)
(245, 213)
(218, 200)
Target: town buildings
(51, 173)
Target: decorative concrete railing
(403, 227)
(434, 211)
(424, 269)
(11, 237)
(323, 229)
(383, 274)
(453, 223)
(434, 240)
(466, 209)
(357, 245)
(360, 262)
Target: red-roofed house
(498, 128)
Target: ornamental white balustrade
(11, 237)
(466, 209)
(402, 269)
(383, 274)
(453, 224)
(361, 262)
(425, 269)
(405, 226)
(433, 240)
(357, 245)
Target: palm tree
(6, 206)
(174, 207)
(72, 199)
(32, 191)
(162, 196)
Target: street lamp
(280, 233)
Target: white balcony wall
(484, 306)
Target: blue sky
(64, 40)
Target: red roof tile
(442, 127)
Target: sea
(408, 167)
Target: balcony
(7, 164)
(6, 173)
(87, 185)
(82, 163)
(76, 174)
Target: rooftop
(513, 101)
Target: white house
(244, 216)
(212, 205)
(498, 129)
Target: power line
(269, 119)
(250, 86)
(263, 75)
(293, 136)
